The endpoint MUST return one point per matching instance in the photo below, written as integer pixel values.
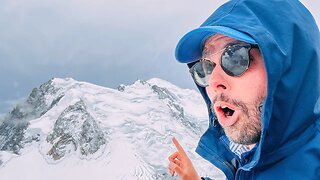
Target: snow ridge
(99, 132)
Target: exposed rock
(121, 87)
(13, 127)
(75, 128)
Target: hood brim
(189, 48)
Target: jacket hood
(289, 41)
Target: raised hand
(181, 164)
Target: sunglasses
(235, 60)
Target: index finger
(178, 146)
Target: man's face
(242, 95)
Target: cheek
(254, 87)
(210, 92)
(262, 82)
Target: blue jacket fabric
(289, 40)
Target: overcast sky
(105, 42)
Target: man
(257, 65)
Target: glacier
(67, 129)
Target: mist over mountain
(68, 129)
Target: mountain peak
(67, 120)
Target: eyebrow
(205, 49)
(233, 42)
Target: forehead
(218, 41)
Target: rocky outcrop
(75, 129)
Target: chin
(244, 138)
(247, 135)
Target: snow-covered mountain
(76, 130)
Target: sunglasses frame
(201, 60)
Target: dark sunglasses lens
(235, 59)
(201, 72)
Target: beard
(247, 129)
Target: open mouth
(227, 111)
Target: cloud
(107, 42)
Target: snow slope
(68, 129)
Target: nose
(218, 81)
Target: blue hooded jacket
(289, 40)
